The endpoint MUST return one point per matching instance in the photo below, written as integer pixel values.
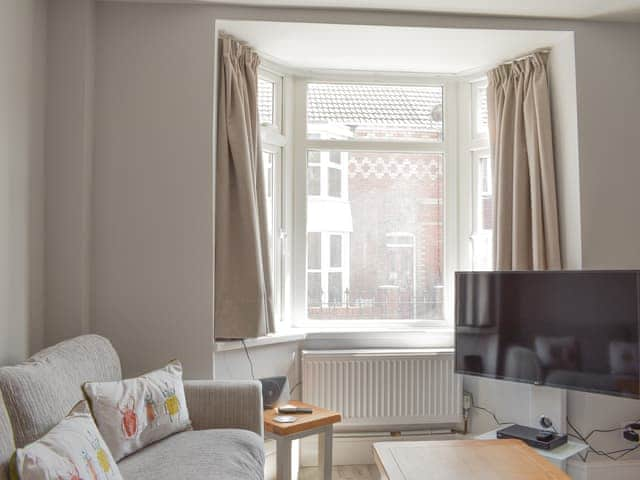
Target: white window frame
(479, 233)
(277, 78)
(477, 135)
(472, 145)
(448, 147)
(277, 258)
(277, 139)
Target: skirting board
(604, 470)
(354, 449)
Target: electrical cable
(613, 455)
(487, 411)
(246, 351)
(294, 387)
(610, 454)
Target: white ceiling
(392, 49)
(618, 10)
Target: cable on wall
(485, 410)
(246, 351)
(614, 455)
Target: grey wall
(608, 69)
(562, 78)
(152, 177)
(155, 76)
(152, 189)
(22, 107)
(69, 157)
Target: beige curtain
(243, 291)
(526, 233)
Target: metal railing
(393, 305)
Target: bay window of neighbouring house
(371, 182)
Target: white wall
(268, 361)
(22, 106)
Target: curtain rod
(530, 54)
(223, 34)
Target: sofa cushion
(7, 447)
(39, 392)
(137, 412)
(73, 449)
(224, 454)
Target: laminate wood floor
(342, 472)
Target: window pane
(268, 159)
(335, 288)
(482, 114)
(336, 251)
(314, 290)
(313, 180)
(265, 101)
(314, 249)
(335, 182)
(484, 190)
(391, 238)
(483, 213)
(374, 112)
(271, 167)
(313, 157)
(335, 157)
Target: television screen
(569, 329)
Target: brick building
(384, 209)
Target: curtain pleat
(243, 290)
(526, 233)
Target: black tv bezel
(544, 384)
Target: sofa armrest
(225, 404)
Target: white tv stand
(558, 455)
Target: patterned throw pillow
(72, 450)
(136, 412)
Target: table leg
(283, 454)
(325, 452)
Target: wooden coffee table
(463, 459)
(319, 422)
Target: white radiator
(384, 389)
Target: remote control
(294, 409)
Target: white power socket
(466, 401)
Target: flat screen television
(577, 330)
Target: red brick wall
(407, 196)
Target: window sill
(274, 339)
(345, 338)
(380, 339)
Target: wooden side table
(319, 422)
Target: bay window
(373, 183)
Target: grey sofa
(225, 444)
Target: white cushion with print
(72, 450)
(136, 412)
